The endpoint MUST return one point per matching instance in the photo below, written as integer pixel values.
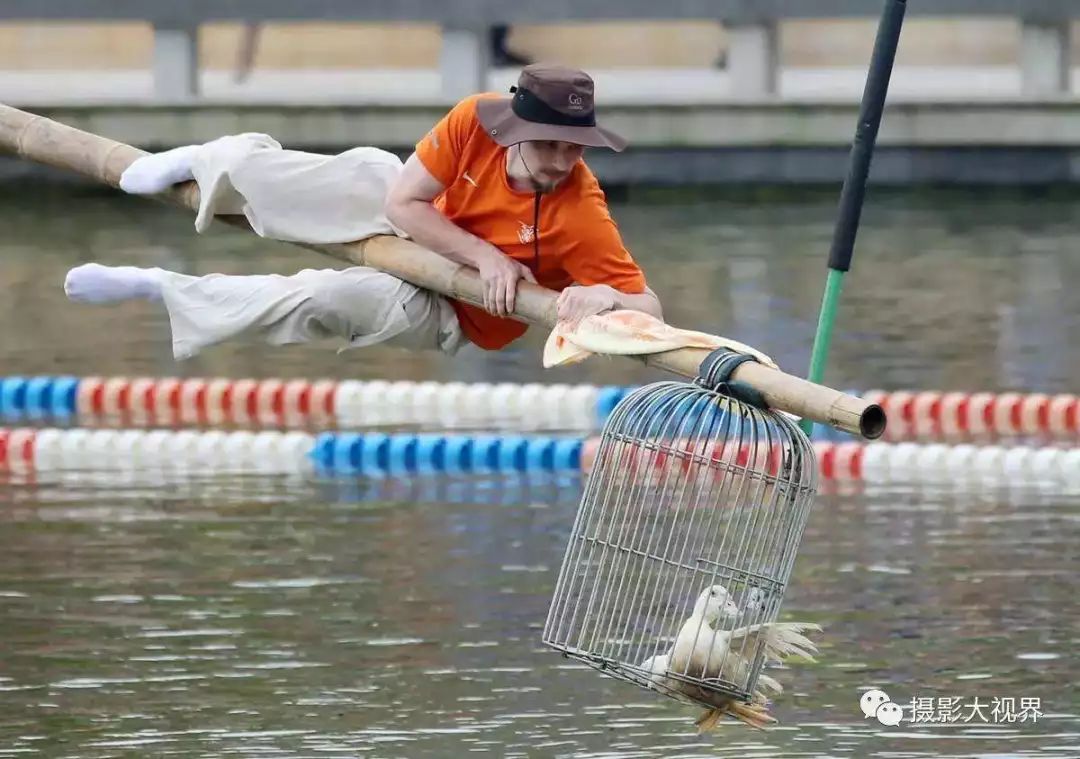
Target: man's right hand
(500, 275)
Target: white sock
(157, 172)
(94, 283)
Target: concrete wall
(343, 45)
(982, 143)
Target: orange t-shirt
(579, 242)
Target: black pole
(873, 103)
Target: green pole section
(823, 337)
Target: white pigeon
(704, 651)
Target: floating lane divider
(950, 416)
(353, 404)
(451, 454)
(940, 463)
(303, 404)
(276, 451)
(378, 455)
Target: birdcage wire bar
(689, 488)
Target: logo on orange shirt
(526, 233)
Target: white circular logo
(871, 700)
(876, 703)
(890, 714)
(575, 100)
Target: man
(499, 184)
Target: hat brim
(506, 128)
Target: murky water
(312, 617)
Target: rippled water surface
(302, 616)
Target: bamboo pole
(42, 140)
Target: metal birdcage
(691, 488)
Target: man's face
(550, 162)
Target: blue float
(539, 454)
(457, 454)
(62, 401)
(485, 454)
(606, 401)
(430, 453)
(401, 454)
(511, 456)
(374, 459)
(347, 448)
(13, 397)
(566, 455)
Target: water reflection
(295, 616)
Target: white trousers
(302, 197)
(359, 305)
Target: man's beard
(544, 185)
(541, 185)
(538, 184)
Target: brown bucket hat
(550, 103)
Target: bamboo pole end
(872, 422)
